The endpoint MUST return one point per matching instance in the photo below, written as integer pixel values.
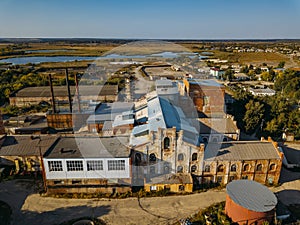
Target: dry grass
(58, 65)
(252, 57)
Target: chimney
(52, 94)
(77, 93)
(69, 92)
(2, 130)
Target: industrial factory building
(260, 161)
(35, 95)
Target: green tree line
(271, 115)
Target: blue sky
(161, 19)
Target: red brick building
(207, 95)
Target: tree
(244, 69)
(229, 75)
(253, 116)
(281, 64)
(266, 76)
(257, 70)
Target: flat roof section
(89, 147)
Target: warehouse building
(35, 95)
(260, 161)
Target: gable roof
(240, 150)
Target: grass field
(252, 57)
(140, 47)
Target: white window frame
(55, 166)
(94, 165)
(74, 165)
(116, 165)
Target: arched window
(246, 167)
(152, 157)
(220, 168)
(225, 139)
(179, 169)
(181, 188)
(215, 139)
(166, 143)
(194, 156)
(166, 168)
(207, 168)
(272, 166)
(180, 157)
(205, 140)
(152, 169)
(259, 167)
(137, 158)
(193, 168)
(233, 168)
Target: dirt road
(31, 208)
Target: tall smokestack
(69, 92)
(2, 130)
(77, 92)
(52, 94)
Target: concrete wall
(88, 189)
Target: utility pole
(43, 167)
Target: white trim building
(88, 164)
